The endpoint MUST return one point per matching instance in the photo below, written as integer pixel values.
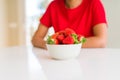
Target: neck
(73, 3)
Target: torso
(80, 19)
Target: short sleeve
(99, 15)
(46, 18)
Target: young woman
(85, 17)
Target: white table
(27, 63)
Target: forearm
(38, 38)
(39, 43)
(94, 42)
(99, 39)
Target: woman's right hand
(38, 37)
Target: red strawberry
(60, 37)
(51, 40)
(69, 31)
(81, 39)
(62, 33)
(55, 41)
(54, 36)
(68, 40)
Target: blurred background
(20, 18)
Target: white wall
(3, 31)
(113, 15)
(12, 27)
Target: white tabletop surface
(28, 63)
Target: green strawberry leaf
(75, 38)
(83, 40)
(49, 40)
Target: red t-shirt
(82, 19)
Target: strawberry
(60, 37)
(54, 36)
(51, 40)
(68, 40)
(69, 31)
(81, 38)
(55, 41)
(75, 37)
(67, 36)
(62, 33)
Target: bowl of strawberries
(65, 44)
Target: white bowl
(64, 51)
